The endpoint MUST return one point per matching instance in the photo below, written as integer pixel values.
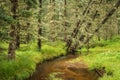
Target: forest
(59, 39)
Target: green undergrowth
(107, 56)
(53, 75)
(110, 60)
(26, 59)
(104, 45)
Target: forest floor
(63, 69)
(105, 56)
(27, 56)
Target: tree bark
(110, 13)
(12, 43)
(39, 26)
(65, 23)
(76, 29)
(18, 36)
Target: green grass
(26, 59)
(110, 60)
(107, 56)
(53, 75)
(103, 46)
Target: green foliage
(98, 44)
(31, 3)
(3, 34)
(52, 76)
(50, 51)
(55, 25)
(53, 49)
(109, 60)
(26, 13)
(19, 69)
(109, 57)
(5, 20)
(94, 44)
(5, 17)
(26, 59)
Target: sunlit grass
(27, 56)
(107, 56)
(53, 75)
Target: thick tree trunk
(12, 44)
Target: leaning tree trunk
(75, 32)
(110, 13)
(88, 26)
(99, 26)
(12, 43)
(39, 25)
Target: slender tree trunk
(53, 1)
(65, 10)
(76, 29)
(18, 36)
(118, 31)
(12, 43)
(28, 34)
(50, 1)
(98, 36)
(53, 4)
(39, 26)
(65, 23)
(53, 20)
(110, 13)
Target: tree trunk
(18, 36)
(65, 23)
(12, 43)
(118, 26)
(110, 13)
(76, 29)
(39, 27)
(99, 26)
(98, 36)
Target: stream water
(68, 70)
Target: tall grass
(107, 56)
(26, 59)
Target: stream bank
(64, 69)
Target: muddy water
(69, 70)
